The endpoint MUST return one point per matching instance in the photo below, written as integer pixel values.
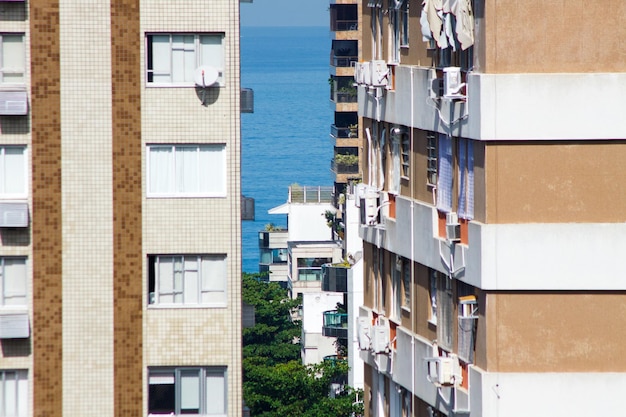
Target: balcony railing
(343, 61)
(341, 168)
(335, 324)
(299, 194)
(343, 25)
(345, 96)
(309, 274)
(340, 132)
(335, 278)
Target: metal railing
(340, 168)
(304, 194)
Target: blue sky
(285, 13)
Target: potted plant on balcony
(353, 130)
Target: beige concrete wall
(555, 36)
(554, 332)
(556, 182)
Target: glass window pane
(211, 51)
(166, 280)
(14, 288)
(160, 59)
(160, 164)
(22, 393)
(215, 393)
(190, 391)
(212, 168)
(13, 59)
(187, 169)
(13, 175)
(161, 393)
(213, 279)
(10, 394)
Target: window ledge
(181, 307)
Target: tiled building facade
(491, 212)
(127, 267)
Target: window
(172, 59)
(177, 391)
(13, 64)
(431, 151)
(13, 282)
(14, 393)
(445, 310)
(432, 292)
(399, 22)
(187, 280)
(406, 283)
(187, 170)
(396, 277)
(444, 174)
(310, 269)
(406, 156)
(13, 172)
(466, 179)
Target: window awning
(13, 103)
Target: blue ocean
(286, 140)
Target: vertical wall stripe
(127, 214)
(46, 210)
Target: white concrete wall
(507, 106)
(568, 256)
(307, 222)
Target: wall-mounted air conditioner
(14, 326)
(444, 371)
(359, 72)
(452, 84)
(366, 72)
(453, 227)
(369, 209)
(13, 103)
(247, 100)
(363, 326)
(13, 214)
(380, 336)
(379, 74)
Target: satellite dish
(205, 76)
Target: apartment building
(345, 132)
(491, 208)
(120, 208)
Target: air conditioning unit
(453, 227)
(369, 209)
(247, 100)
(452, 84)
(13, 103)
(380, 337)
(380, 74)
(366, 72)
(363, 325)
(444, 371)
(13, 214)
(358, 72)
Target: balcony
(309, 274)
(343, 17)
(344, 132)
(339, 166)
(335, 278)
(344, 25)
(335, 324)
(343, 60)
(345, 95)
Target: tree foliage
(276, 383)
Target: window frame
(15, 71)
(431, 159)
(219, 191)
(4, 195)
(3, 281)
(198, 59)
(154, 293)
(445, 312)
(21, 407)
(177, 373)
(405, 156)
(406, 283)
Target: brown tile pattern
(127, 207)
(46, 217)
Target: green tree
(276, 384)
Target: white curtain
(13, 58)
(215, 393)
(187, 167)
(190, 280)
(212, 169)
(445, 174)
(183, 58)
(190, 390)
(161, 177)
(381, 159)
(470, 180)
(211, 52)
(14, 281)
(161, 59)
(214, 279)
(394, 181)
(15, 393)
(14, 172)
